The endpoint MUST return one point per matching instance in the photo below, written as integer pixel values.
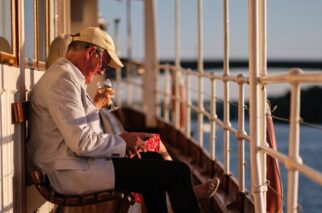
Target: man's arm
(80, 128)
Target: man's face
(98, 59)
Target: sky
(294, 28)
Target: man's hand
(103, 97)
(135, 142)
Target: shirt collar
(78, 73)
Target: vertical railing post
(129, 86)
(257, 184)
(200, 71)
(212, 139)
(241, 130)
(129, 66)
(129, 29)
(158, 94)
(167, 91)
(151, 75)
(177, 33)
(118, 97)
(188, 103)
(176, 110)
(177, 74)
(226, 89)
(262, 91)
(294, 145)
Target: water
(310, 150)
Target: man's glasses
(103, 57)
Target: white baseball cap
(98, 37)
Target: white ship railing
(169, 99)
(292, 161)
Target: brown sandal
(213, 186)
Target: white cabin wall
(8, 89)
(10, 140)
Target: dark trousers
(152, 177)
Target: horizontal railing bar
(293, 76)
(307, 171)
(213, 75)
(209, 75)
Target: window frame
(11, 58)
(36, 62)
(50, 28)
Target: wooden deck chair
(41, 181)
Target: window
(36, 35)
(39, 19)
(5, 27)
(7, 33)
(41, 30)
(29, 29)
